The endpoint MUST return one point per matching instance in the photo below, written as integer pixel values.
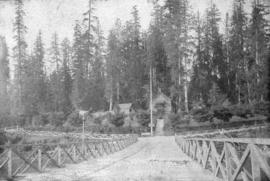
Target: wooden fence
(230, 159)
(18, 159)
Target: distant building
(125, 108)
(162, 102)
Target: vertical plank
(40, 159)
(97, 148)
(227, 161)
(256, 173)
(59, 155)
(9, 153)
(104, 148)
(74, 156)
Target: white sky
(59, 15)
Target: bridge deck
(157, 158)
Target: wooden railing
(231, 159)
(15, 160)
(219, 132)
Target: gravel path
(156, 158)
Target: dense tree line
(191, 59)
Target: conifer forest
(214, 69)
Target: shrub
(199, 111)
(243, 111)
(67, 127)
(117, 120)
(40, 120)
(98, 120)
(143, 118)
(202, 115)
(56, 118)
(222, 113)
(74, 119)
(3, 140)
(236, 119)
(261, 108)
(7, 120)
(175, 119)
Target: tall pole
(83, 130)
(151, 100)
(151, 90)
(89, 37)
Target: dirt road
(157, 158)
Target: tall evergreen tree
(172, 26)
(179, 45)
(133, 55)
(114, 65)
(214, 51)
(97, 82)
(257, 66)
(4, 77)
(66, 81)
(55, 76)
(79, 74)
(19, 54)
(198, 89)
(157, 53)
(40, 74)
(238, 33)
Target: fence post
(227, 161)
(9, 154)
(58, 155)
(39, 159)
(74, 153)
(255, 164)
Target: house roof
(161, 98)
(124, 108)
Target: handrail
(14, 161)
(257, 141)
(230, 159)
(223, 131)
(67, 143)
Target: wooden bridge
(188, 158)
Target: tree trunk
(2, 74)
(179, 82)
(248, 85)
(117, 91)
(185, 88)
(151, 101)
(111, 96)
(238, 89)
(186, 96)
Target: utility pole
(151, 100)
(151, 90)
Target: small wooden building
(162, 103)
(125, 108)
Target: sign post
(151, 101)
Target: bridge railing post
(59, 155)
(40, 158)
(9, 164)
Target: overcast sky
(59, 15)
